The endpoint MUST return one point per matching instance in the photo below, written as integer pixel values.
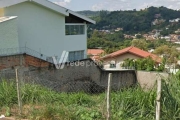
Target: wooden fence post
(18, 93)
(158, 99)
(108, 96)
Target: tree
(147, 64)
(103, 14)
(164, 49)
(139, 36)
(139, 43)
(170, 53)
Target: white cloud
(67, 1)
(110, 5)
(62, 2)
(97, 7)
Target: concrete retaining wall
(148, 80)
(86, 77)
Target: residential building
(158, 21)
(95, 54)
(129, 36)
(118, 29)
(174, 20)
(131, 52)
(157, 16)
(177, 31)
(174, 38)
(166, 38)
(44, 27)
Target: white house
(42, 28)
(175, 20)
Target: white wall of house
(8, 35)
(119, 60)
(77, 42)
(43, 30)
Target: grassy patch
(40, 103)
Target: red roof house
(132, 53)
(95, 53)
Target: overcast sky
(78, 5)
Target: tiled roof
(136, 51)
(94, 51)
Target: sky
(111, 5)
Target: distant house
(166, 37)
(177, 31)
(95, 54)
(157, 34)
(157, 21)
(118, 57)
(174, 20)
(175, 38)
(157, 16)
(44, 28)
(129, 36)
(118, 29)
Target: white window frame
(76, 55)
(79, 31)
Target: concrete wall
(79, 78)
(8, 35)
(120, 79)
(147, 80)
(86, 77)
(43, 30)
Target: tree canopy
(135, 21)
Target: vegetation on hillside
(134, 24)
(116, 41)
(133, 21)
(89, 13)
(40, 103)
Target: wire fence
(76, 100)
(83, 95)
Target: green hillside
(89, 13)
(133, 21)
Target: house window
(76, 55)
(112, 64)
(75, 29)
